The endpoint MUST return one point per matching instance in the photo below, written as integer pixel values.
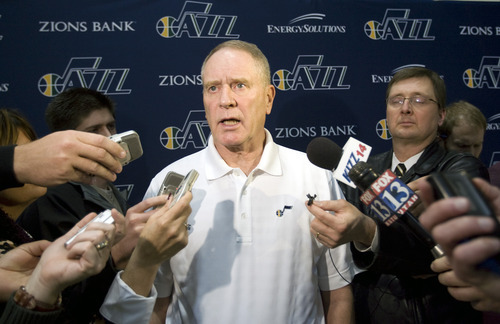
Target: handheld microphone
(390, 200)
(326, 154)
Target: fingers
(426, 193)
(91, 258)
(97, 155)
(120, 226)
(149, 203)
(442, 210)
(449, 233)
(450, 279)
(86, 231)
(35, 248)
(468, 255)
(102, 149)
(95, 232)
(323, 226)
(486, 305)
(324, 233)
(415, 185)
(173, 218)
(441, 265)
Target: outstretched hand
(67, 155)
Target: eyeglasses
(415, 102)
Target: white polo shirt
(251, 257)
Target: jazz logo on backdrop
(309, 73)
(397, 25)
(195, 21)
(487, 75)
(194, 132)
(84, 72)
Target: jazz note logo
(280, 212)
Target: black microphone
(324, 153)
(390, 200)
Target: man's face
(236, 100)
(99, 121)
(412, 123)
(465, 138)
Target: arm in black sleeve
(7, 176)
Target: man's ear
(270, 94)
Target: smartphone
(185, 186)
(103, 217)
(131, 143)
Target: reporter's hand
(165, 232)
(418, 207)
(16, 266)
(461, 290)
(135, 220)
(60, 266)
(164, 235)
(68, 155)
(450, 231)
(345, 224)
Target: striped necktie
(400, 170)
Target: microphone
(390, 199)
(326, 154)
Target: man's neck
(405, 149)
(246, 157)
(246, 161)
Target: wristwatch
(28, 301)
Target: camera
(131, 143)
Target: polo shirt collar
(216, 167)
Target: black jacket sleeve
(7, 176)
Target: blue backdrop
(330, 61)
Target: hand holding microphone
(390, 201)
(338, 222)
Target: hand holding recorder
(131, 144)
(46, 268)
(470, 240)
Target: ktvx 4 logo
(487, 75)
(397, 25)
(195, 132)
(309, 74)
(85, 72)
(195, 21)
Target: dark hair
(68, 109)
(11, 123)
(421, 72)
